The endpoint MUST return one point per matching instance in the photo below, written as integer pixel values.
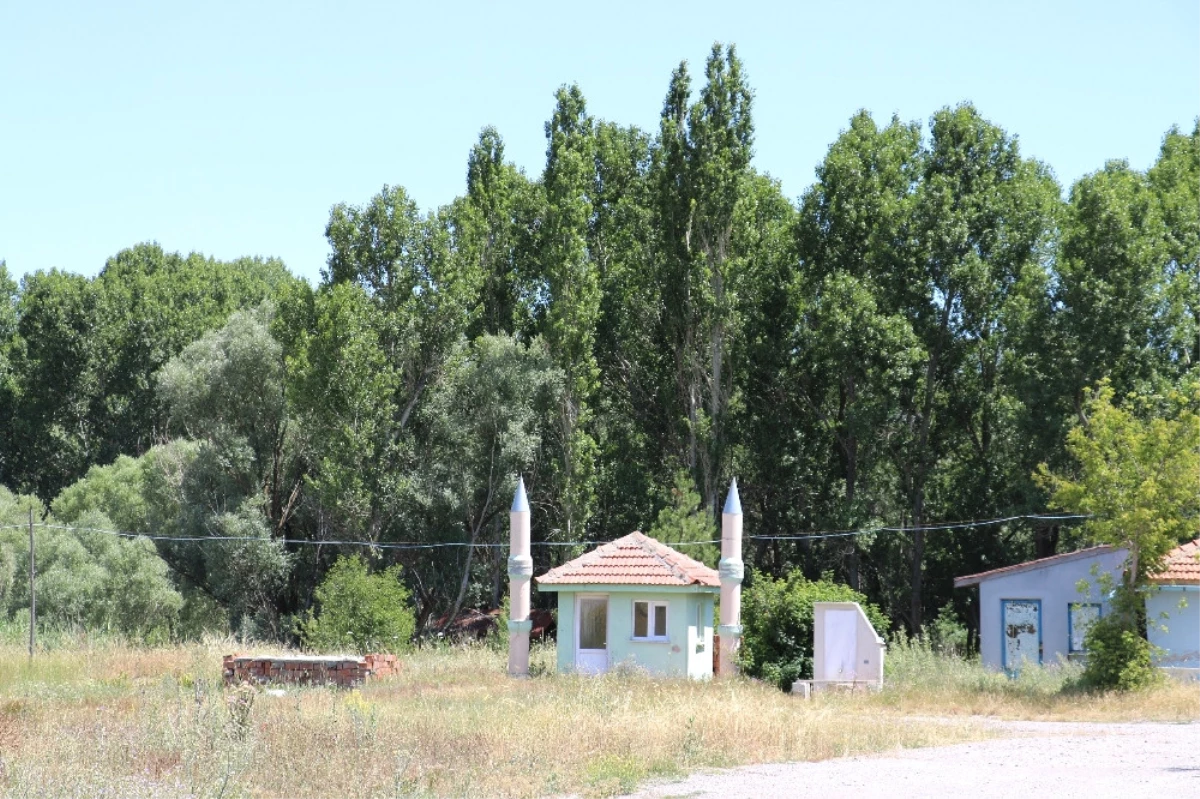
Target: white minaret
(520, 570)
(731, 569)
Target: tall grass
(98, 717)
(157, 722)
(921, 680)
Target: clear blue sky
(230, 128)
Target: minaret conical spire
(521, 502)
(733, 502)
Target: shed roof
(635, 559)
(1181, 567)
(1040, 563)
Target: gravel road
(1049, 759)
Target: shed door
(1022, 619)
(841, 644)
(591, 634)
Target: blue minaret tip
(520, 501)
(733, 503)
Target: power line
(419, 545)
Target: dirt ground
(1039, 758)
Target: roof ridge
(648, 544)
(633, 559)
(1037, 563)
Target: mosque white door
(591, 634)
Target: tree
(1112, 283)
(684, 520)
(574, 301)
(85, 578)
(494, 224)
(346, 394)
(225, 393)
(80, 387)
(8, 387)
(629, 403)
(55, 380)
(1137, 468)
(1175, 178)
(358, 610)
(982, 217)
(486, 422)
(396, 302)
(701, 171)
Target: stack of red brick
(308, 670)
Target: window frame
(653, 608)
(1071, 606)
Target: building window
(650, 621)
(1080, 618)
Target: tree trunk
(920, 473)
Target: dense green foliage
(777, 617)
(359, 611)
(641, 320)
(1118, 658)
(1136, 476)
(85, 580)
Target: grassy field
(104, 719)
(921, 682)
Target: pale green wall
(687, 651)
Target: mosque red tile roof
(635, 559)
(1182, 566)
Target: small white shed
(1173, 610)
(847, 651)
(1034, 612)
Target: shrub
(946, 634)
(1118, 658)
(359, 611)
(777, 640)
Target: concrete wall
(867, 663)
(686, 652)
(1053, 584)
(1181, 638)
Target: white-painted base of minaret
(520, 572)
(731, 570)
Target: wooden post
(32, 593)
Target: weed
(106, 718)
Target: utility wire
(413, 545)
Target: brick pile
(342, 671)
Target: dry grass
(157, 722)
(112, 720)
(921, 682)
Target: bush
(777, 640)
(1118, 658)
(359, 611)
(946, 634)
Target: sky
(231, 128)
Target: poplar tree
(574, 297)
(702, 172)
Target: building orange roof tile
(1181, 567)
(635, 559)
